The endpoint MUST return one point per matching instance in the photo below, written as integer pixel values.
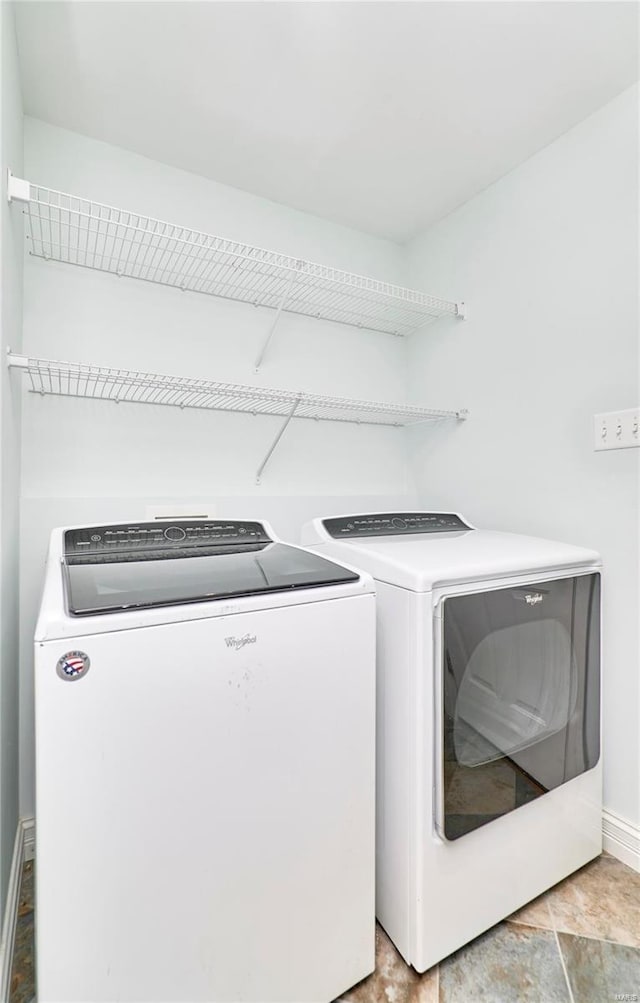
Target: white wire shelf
(80, 231)
(72, 379)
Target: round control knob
(174, 533)
(398, 524)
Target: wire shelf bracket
(272, 329)
(275, 442)
(79, 231)
(74, 379)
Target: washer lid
(114, 582)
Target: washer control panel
(145, 541)
(393, 524)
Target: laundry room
(359, 278)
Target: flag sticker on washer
(74, 665)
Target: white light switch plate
(617, 429)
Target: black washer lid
(114, 585)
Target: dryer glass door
(520, 697)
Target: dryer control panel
(393, 524)
(148, 541)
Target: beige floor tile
(393, 980)
(535, 913)
(427, 988)
(601, 900)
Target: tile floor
(578, 943)
(22, 972)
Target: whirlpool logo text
(533, 599)
(239, 642)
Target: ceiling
(381, 116)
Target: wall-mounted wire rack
(80, 231)
(72, 379)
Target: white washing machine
(489, 785)
(205, 712)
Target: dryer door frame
(474, 745)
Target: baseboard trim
(621, 839)
(29, 829)
(23, 849)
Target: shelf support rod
(277, 439)
(281, 306)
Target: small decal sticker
(74, 665)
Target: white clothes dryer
(488, 727)
(205, 712)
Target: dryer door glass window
(520, 697)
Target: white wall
(547, 259)
(10, 334)
(87, 461)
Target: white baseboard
(23, 849)
(29, 829)
(621, 839)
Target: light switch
(617, 429)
